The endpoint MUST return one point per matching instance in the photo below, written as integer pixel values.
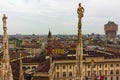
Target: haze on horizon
(37, 16)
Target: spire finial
(4, 20)
(49, 34)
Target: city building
(54, 46)
(96, 64)
(64, 59)
(112, 48)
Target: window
(57, 67)
(100, 65)
(57, 74)
(105, 65)
(111, 71)
(24, 68)
(64, 74)
(63, 67)
(117, 78)
(70, 74)
(34, 67)
(117, 71)
(94, 72)
(88, 66)
(117, 65)
(105, 78)
(100, 72)
(70, 67)
(111, 65)
(88, 73)
(105, 72)
(28, 67)
(111, 78)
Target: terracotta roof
(30, 46)
(15, 70)
(44, 66)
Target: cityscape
(74, 56)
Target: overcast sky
(37, 16)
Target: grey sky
(37, 16)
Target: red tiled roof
(44, 66)
(30, 46)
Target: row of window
(106, 72)
(33, 67)
(70, 75)
(64, 67)
(111, 78)
(106, 65)
(64, 74)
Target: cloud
(39, 15)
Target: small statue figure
(4, 20)
(80, 11)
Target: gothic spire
(21, 77)
(49, 34)
(79, 48)
(5, 64)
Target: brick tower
(49, 52)
(49, 44)
(110, 29)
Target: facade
(57, 47)
(54, 46)
(29, 67)
(111, 29)
(32, 49)
(112, 48)
(108, 68)
(99, 65)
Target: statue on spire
(79, 48)
(80, 12)
(4, 20)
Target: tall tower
(79, 49)
(6, 72)
(49, 52)
(49, 44)
(111, 29)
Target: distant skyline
(37, 16)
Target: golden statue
(4, 20)
(80, 11)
